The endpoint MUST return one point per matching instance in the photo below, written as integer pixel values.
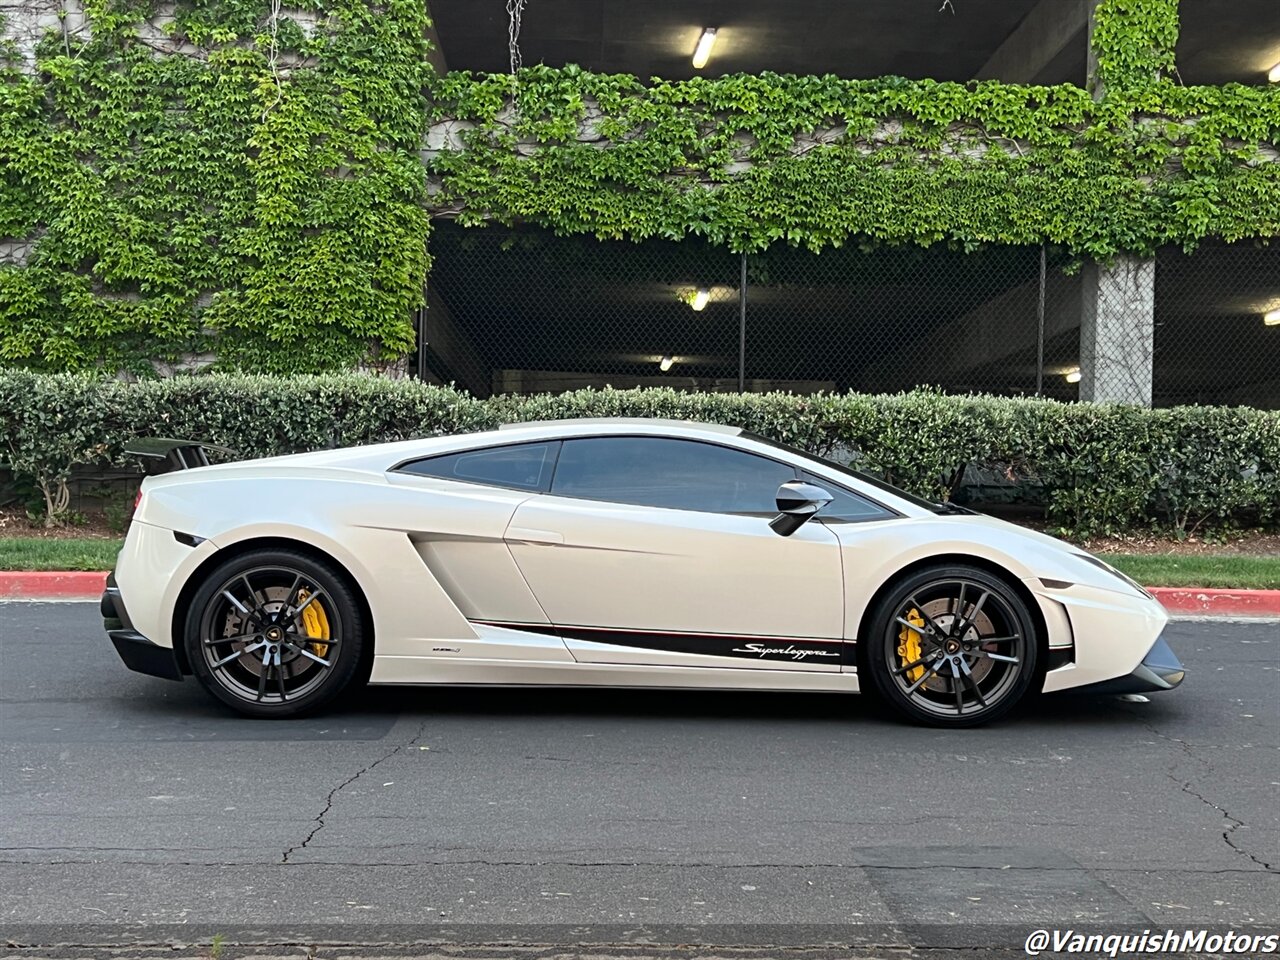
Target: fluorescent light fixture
(1073, 376)
(1271, 318)
(700, 299)
(702, 52)
(1273, 76)
(665, 363)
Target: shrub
(1091, 468)
(262, 416)
(52, 424)
(1095, 468)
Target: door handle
(525, 535)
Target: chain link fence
(523, 311)
(889, 319)
(1217, 331)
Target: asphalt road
(136, 810)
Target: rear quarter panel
(355, 517)
(150, 572)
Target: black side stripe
(785, 649)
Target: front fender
(1109, 625)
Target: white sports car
(615, 553)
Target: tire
(952, 646)
(275, 633)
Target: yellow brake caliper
(315, 623)
(909, 644)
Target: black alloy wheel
(952, 647)
(274, 633)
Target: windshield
(860, 475)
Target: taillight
(137, 502)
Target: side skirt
(460, 671)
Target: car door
(658, 550)
(456, 508)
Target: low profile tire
(952, 646)
(274, 633)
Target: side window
(524, 466)
(676, 474)
(845, 505)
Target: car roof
(593, 424)
(379, 457)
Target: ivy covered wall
(752, 160)
(246, 180)
(223, 174)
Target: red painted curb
(67, 585)
(1220, 603)
(51, 585)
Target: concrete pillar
(435, 56)
(1044, 47)
(449, 352)
(1117, 330)
(1093, 79)
(1117, 313)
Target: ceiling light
(665, 363)
(702, 53)
(1073, 376)
(1273, 76)
(700, 299)
(1271, 318)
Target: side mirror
(797, 502)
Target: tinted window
(525, 466)
(678, 474)
(864, 477)
(846, 505)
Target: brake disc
(291, 663)
(940, 611)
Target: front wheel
(952, 646)
(274, 633)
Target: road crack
(1233, 823)
(1180, 869)
(319, 819)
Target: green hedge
(53, 424)
(259, 194)
(1092, 468)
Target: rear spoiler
(174, 454)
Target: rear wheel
(952, 647)
(274, 633)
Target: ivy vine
(1134, 41)
(735, 158)
(260, 191)
(259, 195)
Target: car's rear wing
(168, 454)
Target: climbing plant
(226, 176)
(1133, 41)
(751, 160)
(235, 181)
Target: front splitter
(1160, 669)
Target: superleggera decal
(708, 644)
(790, 650)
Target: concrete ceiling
(1228, 40)
(654, 38)
(1221, 40)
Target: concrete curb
(1183, 601)
(1198, 602)
(51, 585)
